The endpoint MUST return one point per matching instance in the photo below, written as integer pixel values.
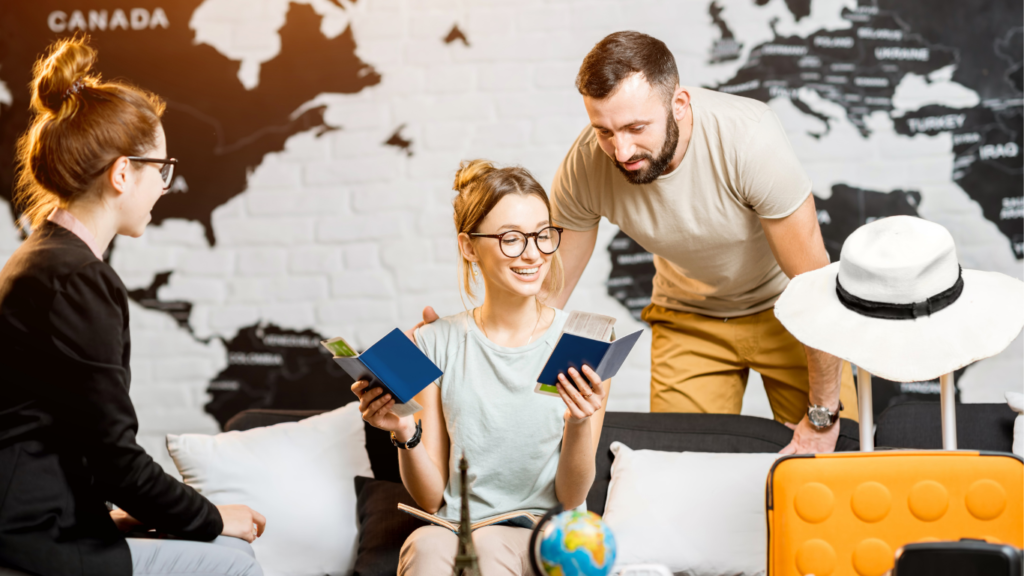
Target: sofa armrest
(258, 418)
(987, 427)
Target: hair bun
(62, 73)
(471, 171)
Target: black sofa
(903, 425)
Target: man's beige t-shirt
(701, 221)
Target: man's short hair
(622, 54)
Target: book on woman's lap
(393, 363)
(586, 340)
(517, 517)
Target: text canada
(103, 20)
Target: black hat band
(888, 311)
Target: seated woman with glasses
(92, 165)
(526, 451)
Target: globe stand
(534, 549)
(466, 563)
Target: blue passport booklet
(394, 363)
(586, 340)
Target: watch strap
(411, 442)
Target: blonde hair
(480, 186)
(80, 125)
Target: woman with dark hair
(526, 452)
(92, 165)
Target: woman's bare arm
(425, 467)
(585, 402)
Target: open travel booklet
(587, 339)
(524, 519)
(394, 363)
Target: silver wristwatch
(821, 417)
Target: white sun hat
(898, 305)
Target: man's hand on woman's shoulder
(428, 317)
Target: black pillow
(383, 528)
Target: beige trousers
(701, 364)
(500, 550)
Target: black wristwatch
(821, 417)
(413, 442)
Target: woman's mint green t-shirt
(511, 436)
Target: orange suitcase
(846, 514)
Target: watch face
(819, 416)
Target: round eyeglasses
(513, 242)
(166, 168)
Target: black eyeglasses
(513, 242)
(166, 170)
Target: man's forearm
(575, 251)
(824, 372)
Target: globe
(576, 544)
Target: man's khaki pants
(701, 364)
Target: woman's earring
(473, 265)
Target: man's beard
(655, 166)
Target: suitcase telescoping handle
(947, 397)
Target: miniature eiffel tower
(466, 563)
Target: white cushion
(297, 474)
(1016, 402)
(697, 513)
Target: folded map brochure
(394, 363)
(519, 518)
(586, 340)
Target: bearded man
(709, 183)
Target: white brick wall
(347, 236)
